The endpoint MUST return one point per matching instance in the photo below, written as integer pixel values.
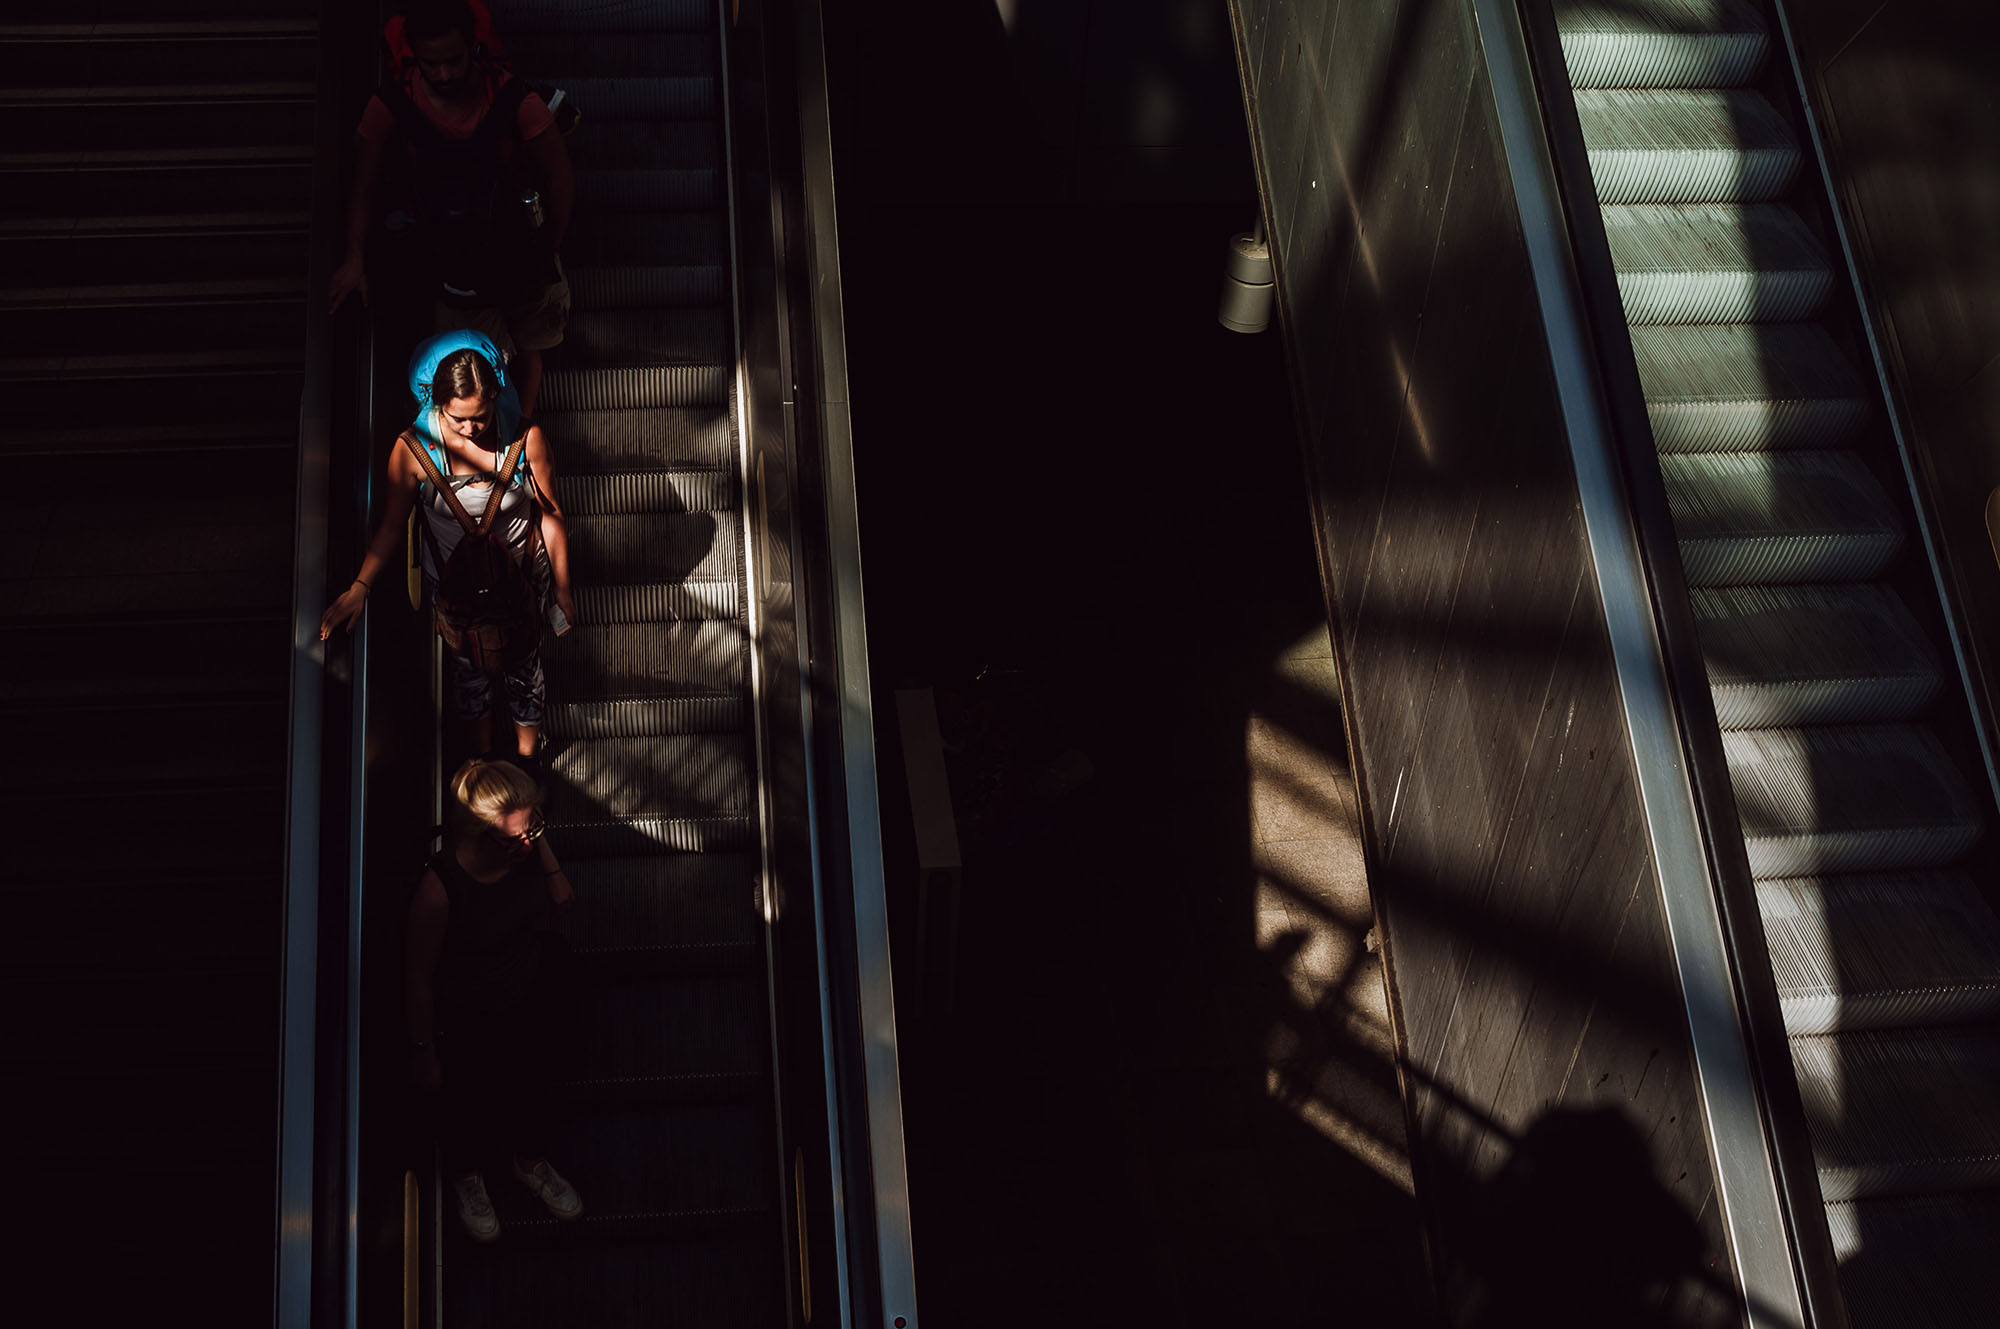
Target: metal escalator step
(174, 1019)
(648, 189)
(167, 121)
(637, 717)
(217, 739)
(218, 924)
(1791, 655)
(690, 338)
(1903, 1111)
(653, 547)
(631, 836)
(237, 568)
(62, 254)
(554, 54)
(665, 1028)
(1873, 952)
(686, 490)
(655, 145)
(192, 1114)
(665, 901)
(1716, 263)
(627, 16)
(1686, 146)
(713, 1280)
(1736, 387)
(658, 602)
(660, 438)
(648, 658)
(1660, 43)
(153, 95)
(238, 825)
(148, 295)
(658, 775)
(644, 98)
(81, 55)
(81, 658)
(105, 328)
(1873, 798)
(252, 441)
(87, 184)
(643, 388)
(647, 288)
(1754, 518)
(663, 1171)
(1919, 1260)
(641, 240)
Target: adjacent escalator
(1856, 775)
(157, 176)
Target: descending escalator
(1857, 781)
(153, 263)
(666, 1122)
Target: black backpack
(484, 606)
(476, 228)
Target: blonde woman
(475, 995)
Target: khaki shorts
(535, 324)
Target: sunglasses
(536, 830)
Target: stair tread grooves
(1681, 119)
(1928, 1259)
(1880, 1101)
(1791, 654)
(1774, 495)
(1864, 938)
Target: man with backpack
(469, 127)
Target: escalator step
(631, 837)
(658, 602)
(1779, 517)
(215, 923)
(672, 775)
(644, 240)
(61, 185)
(83, 55)
(662, 438)
(242, 567)
(194, 247)
(107, 327)
(236, 828)
(660, 1172)
(1686, 146)
(1716, 263)
(1923, 1260)
(1791, 655)
(1734, 387)
(1902, 1112)
(711, 1281)
(644, 388)
(253, 441)
(626, 17)
(1660, 43)
(204, 740)
(691, 337)
(613, 549)
(80, 659)
(1882, 797)
(548, 54)
(637, 717)
(647, 288)
(627, 99)
(655, 145)
(695, 901)
(661, 1028)
(1872, 952)
(648, 189)
(186, 1019)
(647, 658)
(168, 119)
(707, 490)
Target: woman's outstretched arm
(403, 474)
(555, 535)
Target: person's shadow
(1576, 1230)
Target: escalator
(1858, 782)
(153, 267)
(666, 1113)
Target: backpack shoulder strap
(443, 485)
(416, 127)
(501, 478)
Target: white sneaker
(475, 1208)
(548, 1185)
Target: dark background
(1074, 479)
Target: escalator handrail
(1768, 1187)
(822, 399)
(299, 982)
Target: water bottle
(531, 203)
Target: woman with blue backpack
(493, 570)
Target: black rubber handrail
(1700, 732)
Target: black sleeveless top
(492, 941)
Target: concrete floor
(1166, 1092)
